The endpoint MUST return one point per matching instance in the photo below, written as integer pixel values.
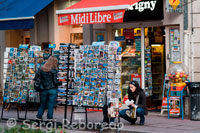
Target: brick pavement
(154, 122)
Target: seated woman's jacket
(49, 79)
(141, 101)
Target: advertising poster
(174, 107)
(175, 44)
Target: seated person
(133, 91)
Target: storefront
(142, 25)
(147, 24)
(146, 35)
(144, 63)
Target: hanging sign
(52, 45)
(91, 17)
(35, 48)
(23, 46)
(145, 10)
(120, 38)
(128, 33)
(174, 5)
(138, 43)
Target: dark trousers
(139, 112)
(47, 97)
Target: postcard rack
(65, 56)
(20, 66)
(97, 77)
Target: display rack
(65, 56)
(20, 66)
(148, 72)
(131, 64)
(16, 81)
(97, 76)
(157, 69)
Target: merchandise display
(65, 56)
(97, 75)
(157, 61)
(148, 73)
(20, 66)
(131, 65)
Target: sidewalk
(154, 122)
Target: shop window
(154, 59)
(26, 40)
(76, 38)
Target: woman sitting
(135, 91)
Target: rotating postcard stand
(65, 56)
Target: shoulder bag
(132, 112)
(37, 83)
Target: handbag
(132, 112)
(37, 82)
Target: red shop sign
(128, 33)
(91, 17)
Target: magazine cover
(113, 108)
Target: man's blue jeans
(47, 97)
(139, 112)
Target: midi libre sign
(92, 17)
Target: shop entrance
(154, 61)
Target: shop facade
(151, 39)
(154, 34)
(166, 26)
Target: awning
(19, 14)
(95, 11)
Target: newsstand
(194, 88)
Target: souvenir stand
(65, 56)
(97, 77)
(178, 89)
(19, 70)
(35, 62)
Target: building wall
(2, 49)
(13, 38)
(172, 20)
(62, 33)
(42, 26)
(194, 39)
(51, 22)
(46, 27)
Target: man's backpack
(38, 81)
